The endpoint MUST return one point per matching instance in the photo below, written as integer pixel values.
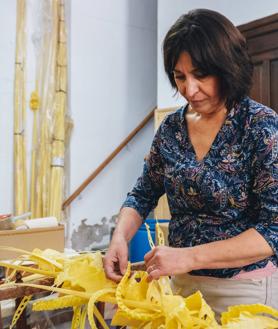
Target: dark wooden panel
(266, 83)
(264, 29)
(262, 43)
(256, 91)
(259, 26)
(274, 84)
(262, 40)
(261, 85)
(268, 55)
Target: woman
(216, 158)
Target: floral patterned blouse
(234, 188)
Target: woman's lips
(197, 103)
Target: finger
(112, 274)
(123, 264)
(114, 277)
(149, 255)
(153, 275)
(150, 262)
(122, 261)
(111, 269)
(150, 268)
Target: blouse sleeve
(266, 181)
(150, 185)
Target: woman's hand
(162, 261)
(115, 260)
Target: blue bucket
(139, 245)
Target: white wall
(7, 53)
(239, 12)
(113, 87)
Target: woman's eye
(200, 75)
(179, 77)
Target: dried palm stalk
(34, 106)
(46, 39)
(20, 173)
(59, 131)
(47, 185)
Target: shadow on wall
(97, 236)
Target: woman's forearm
(244, 249)
(128, 223)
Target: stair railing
(117, 150)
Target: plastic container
(139, 245)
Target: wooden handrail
(93, 175)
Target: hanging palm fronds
(58, 143)
(46, 53)
(20, 173)
(34, 106)
(51, 135)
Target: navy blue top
(234, 188)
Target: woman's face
(201, 92)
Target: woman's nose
(191, 87)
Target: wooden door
(262, 40)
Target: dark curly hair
(216, 48)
